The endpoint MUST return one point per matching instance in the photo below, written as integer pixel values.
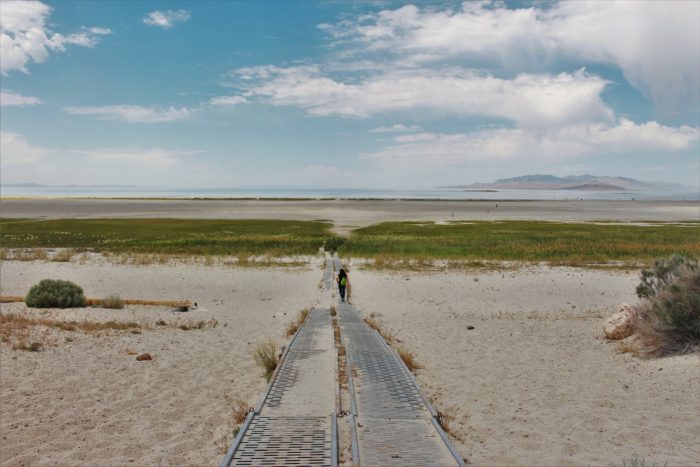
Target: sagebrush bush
(668, 317)
(51, 293)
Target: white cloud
(529, 100)
(396, 128)
(25, 36)
(155, 158)
(501, 145)
(8, 98)
(15, 150)
(228, 100)
(133, 113)
(166, 19)
(655, 44)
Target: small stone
(470, 327)
(144, 356)
(620, 324)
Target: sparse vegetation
(266, 357)
(668, 317)
(332, 244)
(51, 293)
(635, 462)
(190, 325)
(296, 324)
(409, 359)
(113, 302)
(63, 256)
(238, 410)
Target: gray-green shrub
(50, 293)
(668, 317)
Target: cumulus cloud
(25, 36)
(655, 44)
(17, 151)
(11, 98)
(529, 100)
(133, 113)
(166, 19)
(228, 100)
(510, 144)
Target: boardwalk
(295, 422)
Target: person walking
(343, 283)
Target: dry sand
(535, 383)
(349, 214)
(88, 401)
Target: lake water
(341, 193)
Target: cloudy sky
(386, 94)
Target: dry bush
(376, 325)
(296, 324)
(113, 302)
(238, 410)
(189, 325)
(668, 317)
(3, 254)
(243, 258)
(63, 256)
(409, 360)
(265, 355)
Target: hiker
(343, 282)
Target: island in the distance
(571, 182)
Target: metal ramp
(294, 423)
(395, 424)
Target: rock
(144, 356)
(470, 327)
(620, 324)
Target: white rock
(620, 324)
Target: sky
(347, 94)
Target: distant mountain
(573, 182)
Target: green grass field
(523, 241)
(168, 236)
(570, 243)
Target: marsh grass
(265, 355)
(296, 324)
(571, 244)
(168, 236)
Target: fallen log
(98, 301)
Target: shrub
(266, 357)
(51, 293)
(668, 318)
(113, 301)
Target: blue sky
(386, 94)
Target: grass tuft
(409, 359)
(296, 324)
(113, 302)
(266, 357)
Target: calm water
(341, 193)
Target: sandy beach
(350, 214)
(89, 401)
(533, 383)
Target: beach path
(294, 423)
(395, 425)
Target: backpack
(343, 281)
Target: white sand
(535, 383)
(88, 401)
